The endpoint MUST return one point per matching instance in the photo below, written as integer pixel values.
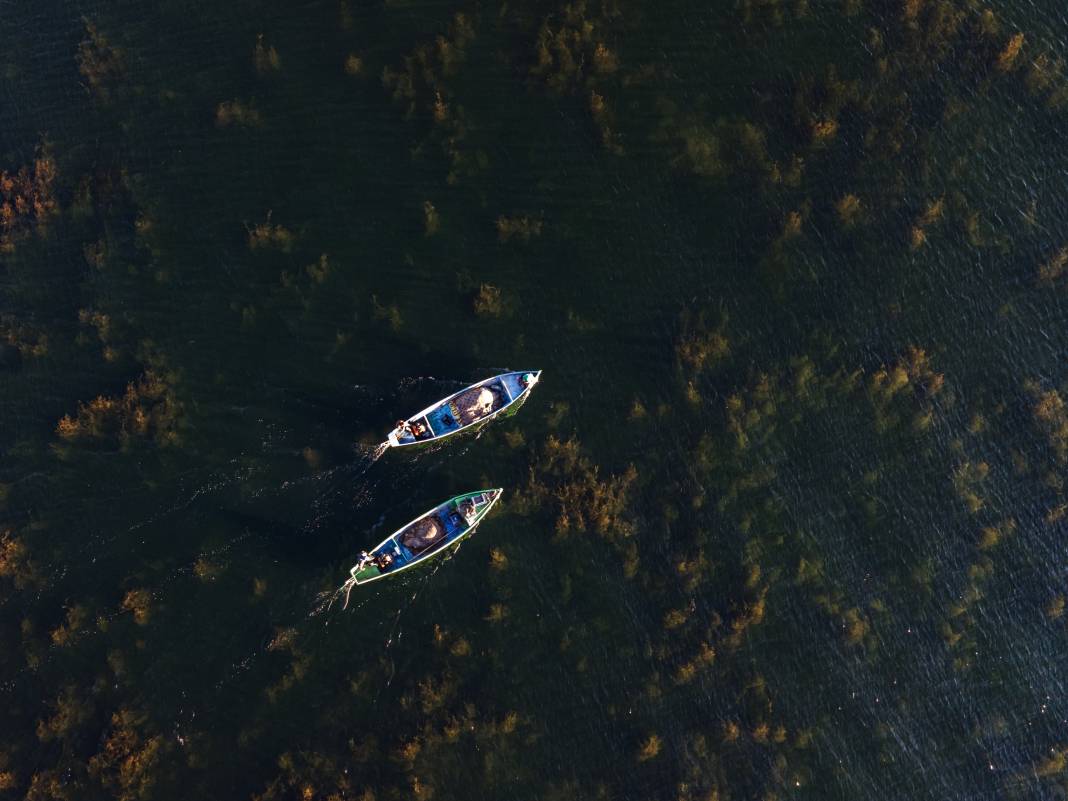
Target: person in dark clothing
(383, 561)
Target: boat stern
(369, 573)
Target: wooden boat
(425, 537)
(470, 407)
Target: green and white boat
(425, 537)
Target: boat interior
(428, 534)
(514, 385)
(468, 407)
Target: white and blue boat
(469, 408)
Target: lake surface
(786, 516)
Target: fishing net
(476, 403)
(421, 534)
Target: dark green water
(785, 517)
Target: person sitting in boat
(383, 561)
(417, 429)
(365, 560)
(467, 509)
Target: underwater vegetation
(26, 198)
(100, 63)
(568, 484)
(148, 408)
(785, 518)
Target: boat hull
(445, 418)
(413, 544)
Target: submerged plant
(99, 62)
(27, 197)
(77, 616)
(353, 65)
(848, 208)
(1051, 416)
(139, 602)
(237, 112)
(522, 228)
(431, 219)
(391, 314)
(129, 761)
(69, 713)
(1054, 268)
(701, 346)
(569, 484)
(15, 563)
(569, 52)
(265, 57)
(148, 409)
(649, 748)
(270, 235)
(489, 301)
(1006, 59)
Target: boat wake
(341, 486)
(326, 599)
(347, 587)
